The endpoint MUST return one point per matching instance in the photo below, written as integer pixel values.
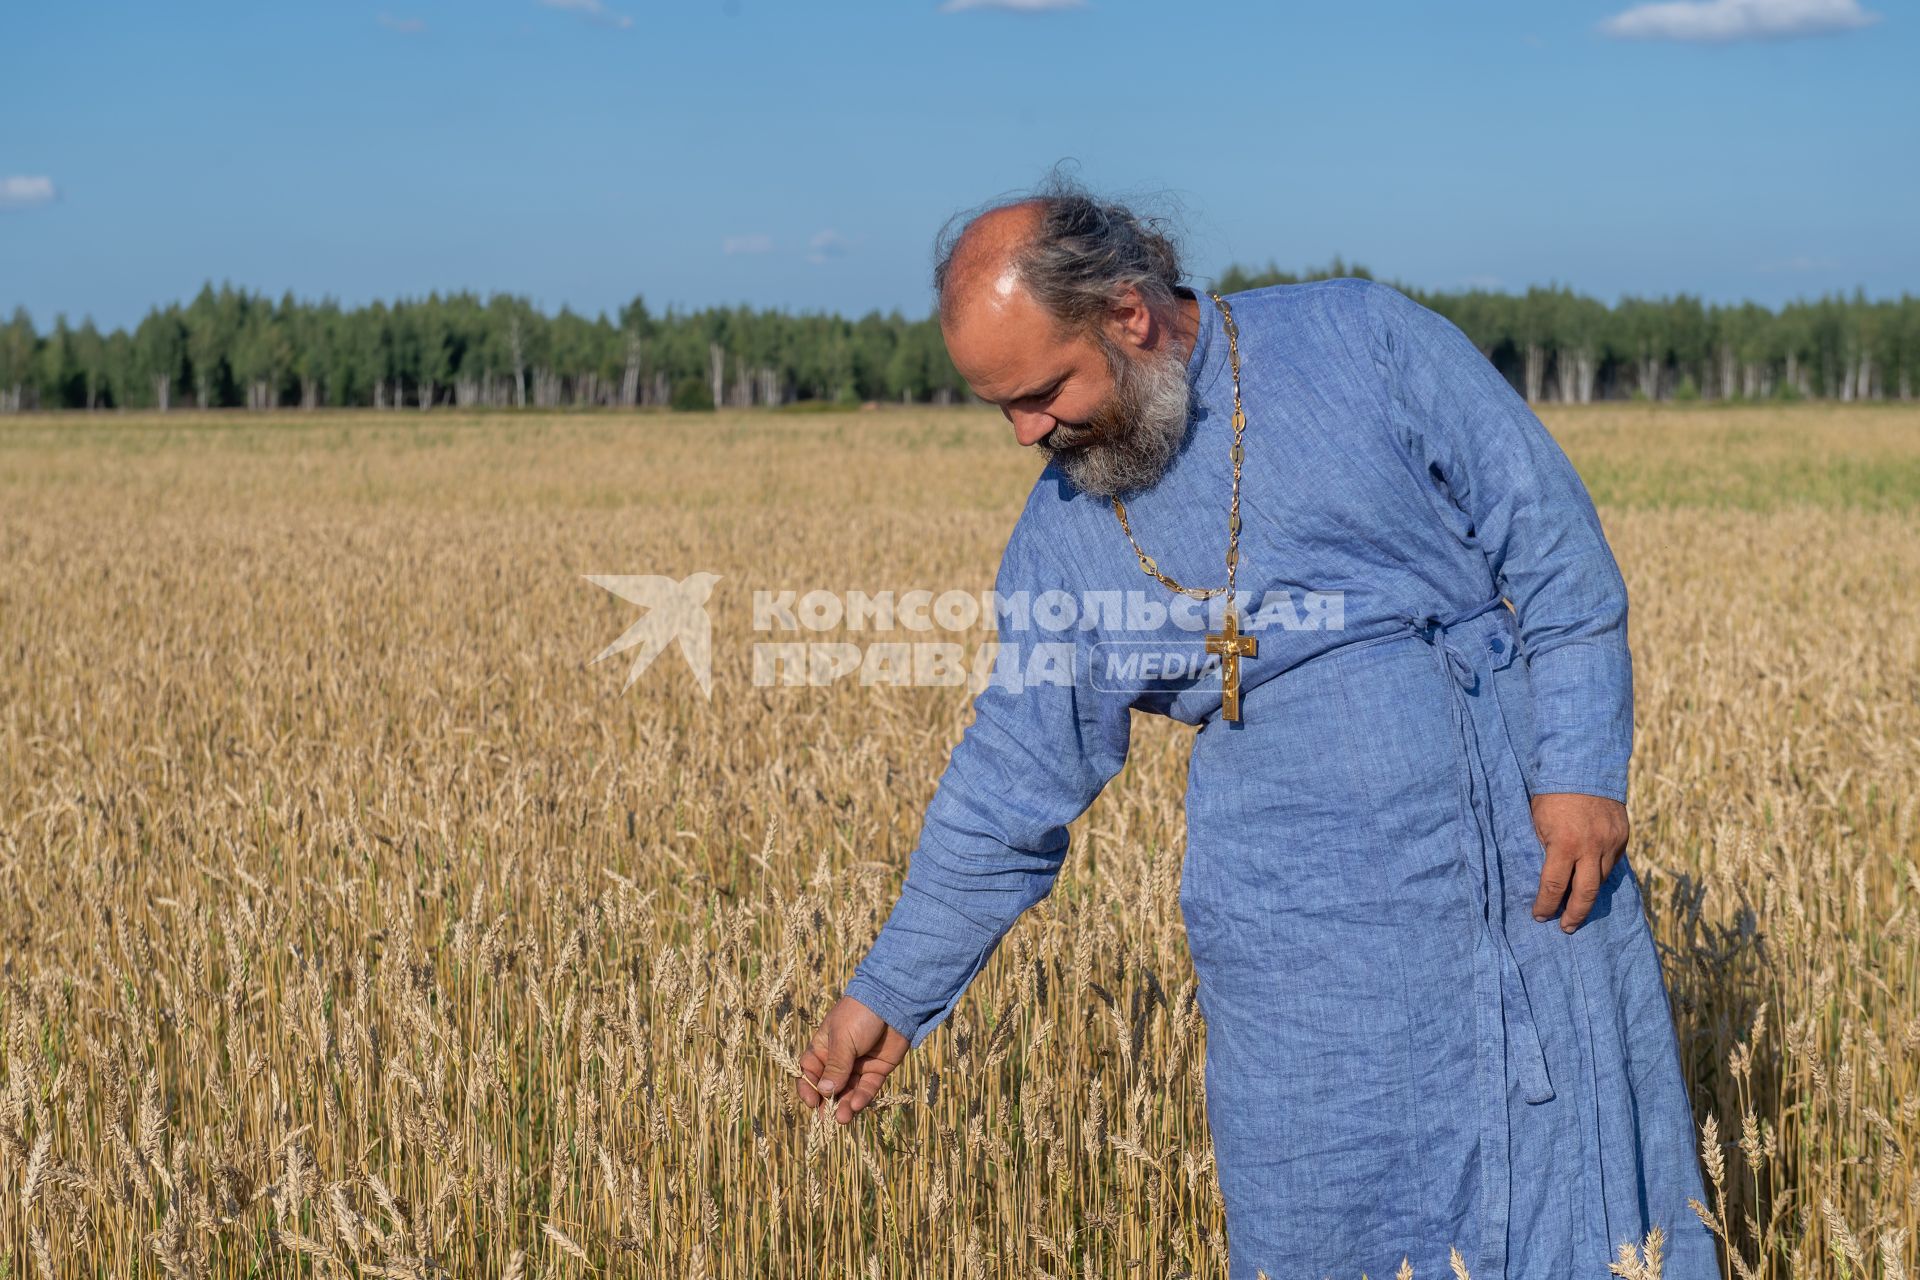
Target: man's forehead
(998, 295)
(1001, 316)
(1006, 352)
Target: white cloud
(591, 10)
(405, 26)
(21, 191)
(758, 242)
(1011, 6)
(1722, 21)
(826, 245)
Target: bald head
(1074, 254)
(983, 264)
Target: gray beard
(1127, 443)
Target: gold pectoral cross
(1231, 646)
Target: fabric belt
(1469, 677)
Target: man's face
(1111, 412)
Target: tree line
(231, 348)
(1555, 345)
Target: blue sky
(802, 154)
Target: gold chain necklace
(1228, 643)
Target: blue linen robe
(1399, 1057)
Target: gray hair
(1085, 254)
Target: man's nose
(1030, 427)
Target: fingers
(1586, 889)
(1609, 861)
(1556, 877)
(805, 1084)
(1575, 879)
(867, 1075)
(838, 1071)
(813, 1064)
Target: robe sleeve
(1474, 438)
(995, 833)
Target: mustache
(1073, 435)
(1107, 424)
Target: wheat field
(358, 924)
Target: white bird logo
(674, 610)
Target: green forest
(229, 348)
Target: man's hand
(851, 1053)
(1584, 837)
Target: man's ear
(1129, 322)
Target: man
(1435, 1014)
